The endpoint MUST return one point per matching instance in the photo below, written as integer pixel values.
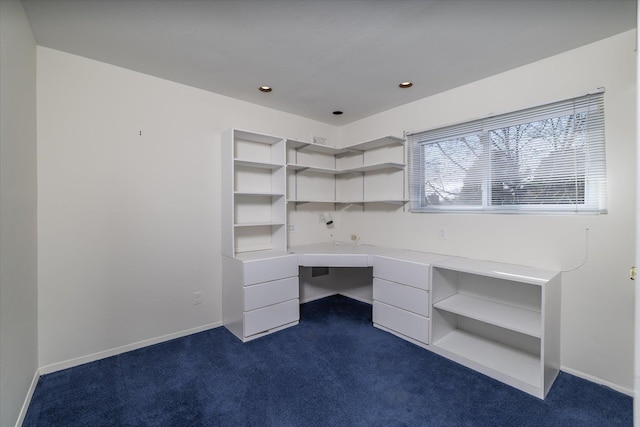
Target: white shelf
(376, 143)
(256, 137)
(478, 352)
(302, 168)
(348, 202)
(500, 319)
(505, 316)
(258, 165)
(259, 224)
(254, 193)
(360, 202)
(300, 202)
(316, 148)
(376, 167)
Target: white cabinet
(260, 293)
(368, 172)
(254, 193)
(401, 296)
(260, 279)
(502, 320)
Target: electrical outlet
(197, 297)
(291, 228)
(443, 234)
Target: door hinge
(632, 273)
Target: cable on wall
(586, 252)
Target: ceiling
(320, 56)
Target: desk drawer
(264, 294)
(401, 296)
(263, 319)
(400, 271)
(266, 270)
(406, 323)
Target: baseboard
(597, 380)
(27, 399)
(317, 297)
(357, 298)
(123, 349)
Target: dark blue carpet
(334, 369)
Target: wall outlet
(197, 297)
(291, 228)
(442, 233)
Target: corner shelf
(303, 168)
(376, 167)
(376, 143)
(352, 178)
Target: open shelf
(256, 193)
(376, 143)
(500, 319)
(258, 224)
(479, 352)
(376, 167)
(360, 202)
(505, 316)
(303, 146)
(302, 168)
(259, 165)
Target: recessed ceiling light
(265, 88)
(405, 85)
(337, 112)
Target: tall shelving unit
(499, 319)
(260, 291)
(254, 167)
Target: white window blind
(549, 158)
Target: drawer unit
(401, 271)
(265, 294)
(259, 293)
(266, 270)
(271, 317)
(401, 321)
(401, 296)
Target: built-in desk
(499, 319)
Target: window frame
(595, 188)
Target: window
(544, 159)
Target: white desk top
(350, 255)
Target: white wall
(597, 304)
(129, 224)
(18, 234)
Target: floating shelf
(376, 167)
(376, 143)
